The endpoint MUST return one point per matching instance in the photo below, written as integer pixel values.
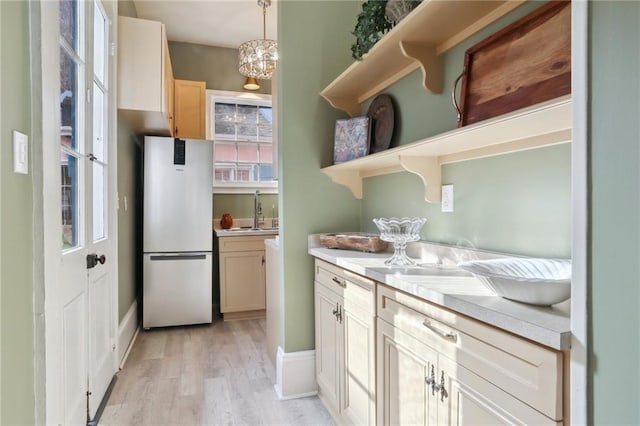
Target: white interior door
(85, 293)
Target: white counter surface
(459, 291)
(244, 232)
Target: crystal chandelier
(258, 58)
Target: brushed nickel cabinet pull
(442, 333)
(340, 282)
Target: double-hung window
(240, 125)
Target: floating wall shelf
(432, 28)
(544, 124)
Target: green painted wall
(218, 66)
(615, 212)
(16, 268)
(518, 203)
(129, 217)
(313, 51)
(127, 8)
(242, 205)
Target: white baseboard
(127, 332)
(295, 374)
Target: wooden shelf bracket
(349, 178)
(428, 169)
(429, 61)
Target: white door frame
(579, 366)
(47, 203)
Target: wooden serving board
(525, 63)
(355, 241)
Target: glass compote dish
(400, 231)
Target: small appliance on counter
(177, 240)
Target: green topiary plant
(372, 24)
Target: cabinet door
(189, 108)
(328, 346)
(358, 381)
(242, 285)
(404, 364)
(471, 400)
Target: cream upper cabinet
(144, 88)
(345, 343)
(242, 277)
(189, 109)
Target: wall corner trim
(127, 333)
(295, 374)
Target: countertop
(458, 290)
(243, 232)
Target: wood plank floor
(217, 374)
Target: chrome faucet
(257, 208)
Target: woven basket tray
(360, 242)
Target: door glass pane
(69, 22)
(98, 123)
(99, 171)
(68, 100)
(99, 43)
(70, 201)
(99, 195)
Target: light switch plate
(20, 153)
(447, 198)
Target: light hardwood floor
(217, 374)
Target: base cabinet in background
(345, 343)
(242, 277)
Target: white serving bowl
(535, 281)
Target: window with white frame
(240, 125)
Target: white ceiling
(225, 23)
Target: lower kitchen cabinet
(345, 343)
(242, 277)
(439, 368)
(407, 361)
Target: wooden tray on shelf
(525, 63)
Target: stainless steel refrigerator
(177, 234)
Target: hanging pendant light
(251, 84)
(258, 58)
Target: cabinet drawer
(529, 372)
(353, 287)
(249, 243)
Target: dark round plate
(381, 111)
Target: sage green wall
(241, 205)
(313, 52)
(16, 223)
(218, 66)
(129, 217)
(615, 212)
(518, 203)
(127, 8)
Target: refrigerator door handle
(179, 256)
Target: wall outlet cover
(447, 198)
(20, 153)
